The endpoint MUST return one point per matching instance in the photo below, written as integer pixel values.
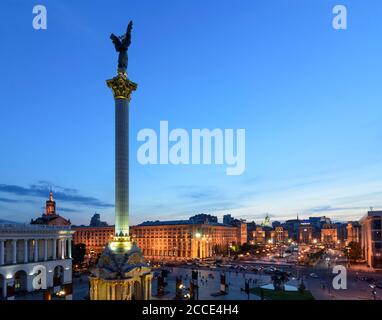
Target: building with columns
(34, 257)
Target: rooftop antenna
(371, 209)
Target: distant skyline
(307, 95)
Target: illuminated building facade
(242, 233)
(94, 238)
(371, 238)
(353, 232)
(329, 235)
(241, 227)
(305, 233)
(259, 235)
(183, 239)
(279, 235)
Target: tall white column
(54, 249)
(70, 248)
(59, 249)
(14, 251)
(121, 167)
(63, 249)
(122, 88)
(25, 250)
(35, 250)
(1, 252)
(45, 249)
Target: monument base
(121, 273)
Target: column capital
(121, 86)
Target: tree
(78, 253)
(353, 251)
(246, 247)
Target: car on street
(269, 270)
(313, 275)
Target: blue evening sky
(308, 96)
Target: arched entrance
(58, 276)
(20, 285)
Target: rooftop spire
(50, 207)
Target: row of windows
(92, 237)
(150, 252)
(91, 233)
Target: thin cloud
(7, 200)
(62, 194)
(330, 209)
(199, 193)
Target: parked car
(313, 275)
(269, 270)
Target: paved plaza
(209, 284)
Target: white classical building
(34, 257)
